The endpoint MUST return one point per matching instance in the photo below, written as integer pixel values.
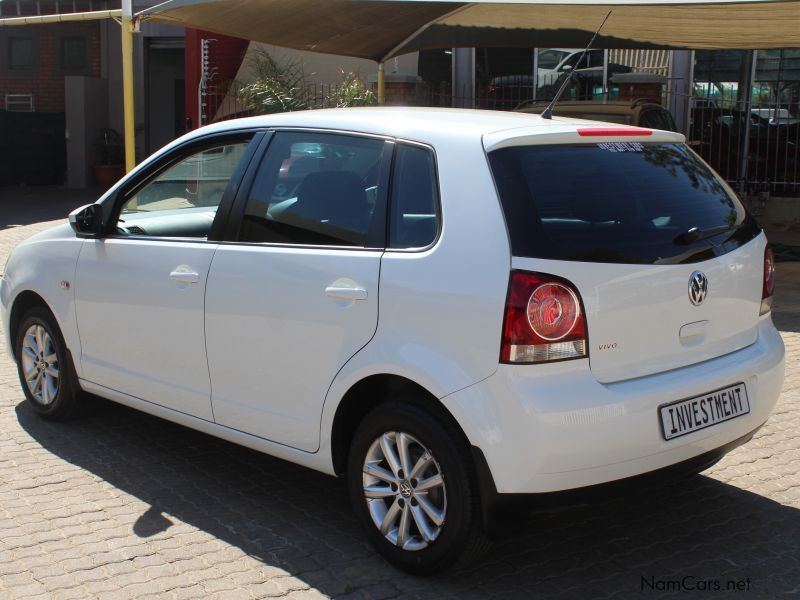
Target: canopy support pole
(127, 85)
(745, 104)
(381, 84)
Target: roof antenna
(547, 113)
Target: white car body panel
(275, 338)
(141, 331)
(40, 265)
(553, 427)
(439, 314)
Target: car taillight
(544, 320)
(768, 287)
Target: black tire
(66, 401)
(461, 538)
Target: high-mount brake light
(768, 286)
(543, 321)
(614, 132)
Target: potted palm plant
(108, 158)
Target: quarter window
(317, 189)
(182, 201)
(414, 195)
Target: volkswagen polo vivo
(446, 307)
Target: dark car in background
(773, 142)
(640, 113)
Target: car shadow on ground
(300, 521)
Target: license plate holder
(689, 415)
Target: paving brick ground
(123, 505)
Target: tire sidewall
(39, 316)
(447, 547)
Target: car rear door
(293, 293)
(140, 289)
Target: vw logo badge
(698, 287)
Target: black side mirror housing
(86, 221)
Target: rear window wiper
(695, 234)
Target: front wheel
(413, 489)
(45, 367)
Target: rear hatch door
(667, 261)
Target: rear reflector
(614, 132)
(543, 321)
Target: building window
(20, 53)
(73, 53)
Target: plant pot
(107, 175)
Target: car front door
(140, 288)
(294, 295)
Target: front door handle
(345, 293)
(184, 276)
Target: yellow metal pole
(381, 84)
(127, 85)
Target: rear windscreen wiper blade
(695, 234)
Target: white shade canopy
(381, 29)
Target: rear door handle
(184, 276)
(345, 293)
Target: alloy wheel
(40, 364)
(405, 490)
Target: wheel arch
(366, 394)
(22, 303)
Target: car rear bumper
(546, 428)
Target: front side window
(414, 198)
(317, 189)
(182, 201)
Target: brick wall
(46, 79)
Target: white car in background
(447, 307)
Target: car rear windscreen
(618, 202)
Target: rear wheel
(413, 489)
(45, 367)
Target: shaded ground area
(123, 505)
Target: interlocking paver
(122, 505)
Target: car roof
(434, 126)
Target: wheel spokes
(378, 491)
(434, 514)
(39, 363)
(390, 518)
(404, 490)
(422, 525)
(389, 454)
(431, 482)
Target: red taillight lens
(768, 287)
(543, 321)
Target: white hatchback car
(448, 307)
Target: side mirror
(86, 221)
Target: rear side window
(617, 203)
(318, 189)
(414, 221)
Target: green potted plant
(109, 160)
